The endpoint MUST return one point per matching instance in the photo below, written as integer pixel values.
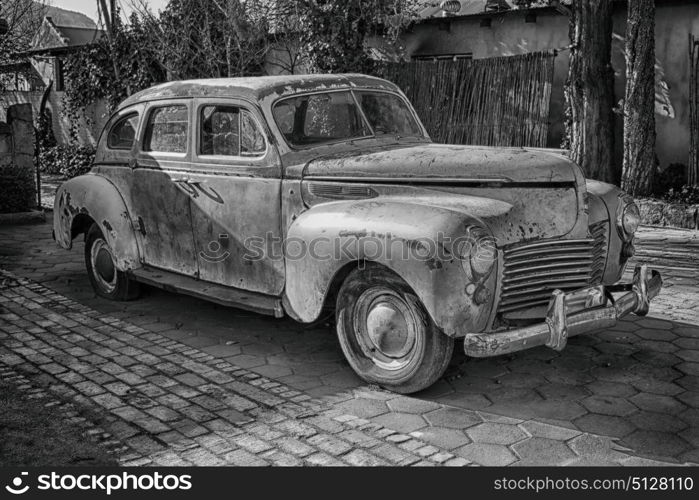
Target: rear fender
(92, 198)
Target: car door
(236, 210)
(160, 192)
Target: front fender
(95, 197)
(604, 202)
(405, 237)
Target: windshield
(335, 116)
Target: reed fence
(693, 168)
(502, 101)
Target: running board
(223, 295)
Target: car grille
(533, 271)
(599, 232)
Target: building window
(443, 57)
(58, 81)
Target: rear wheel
(385, 333)
(106, 279)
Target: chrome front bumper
(571, 314)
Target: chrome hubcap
(103, 268)
(387, 329)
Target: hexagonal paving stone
(655, 386)
(544, 430)
(558, 410)
(563, 392)
(689, 368)
(655, 334)
(411, 405)
(465, 400)
(513, 395)
(246, 361)
(597, 449)
(490, 432)
(453, 418)
(263, 349)
(618, 348)
(689, 382)
(690, 398)
(491, 455)
(691, 435)
(473, 385)
(605, 425)
(520, 381)
(342, 379)
(272, 371)
(606, 388)
(651, 421)
(687, 331)
(607, 405)
(657, 403)
(662, 355)
(656, 324)
(486, 368)
(542, 451)
(686, 355)
(655, 443)
(401, 422)
(442, 437)
(363, 408)
(687, 343)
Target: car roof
(258, 87)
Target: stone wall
(660, 213)
(88, 128)
(17, 170)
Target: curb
(32, 217)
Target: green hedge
(68, 161)
(17, 189)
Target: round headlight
(630, 220)
(479, 253)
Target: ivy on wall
(110, 70)
(335, 32)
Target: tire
(106, 279)
(385, 333)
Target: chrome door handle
(187, 186)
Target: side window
(229, 131)
(123, 132)
(166, 130)
(252, 141)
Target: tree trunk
(639, 104)
(590, 89)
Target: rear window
(166, 130)
(123, 132)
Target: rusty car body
(205, 186)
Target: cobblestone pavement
(637, 383)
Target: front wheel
(385, 333)
(106, 279)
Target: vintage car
(300, 195)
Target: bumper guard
(571, 314)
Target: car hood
(520, 194)
(436, 163)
